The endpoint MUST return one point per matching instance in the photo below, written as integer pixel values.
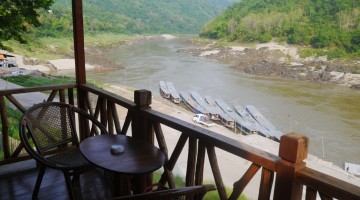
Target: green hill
(135, 16)
(334, 24)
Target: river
(329, 115)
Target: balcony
(283, 176)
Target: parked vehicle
(203, 119)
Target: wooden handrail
(240, 149)
(126, 103)
(326, 184)
(36, 89)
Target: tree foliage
(17, 16)
(135, 16)
(319, 23)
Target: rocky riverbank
(272, 59)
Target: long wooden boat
(164, 92)
(272, 132)
(241, 111)
(213, 112)
(241, 124)
(255, 113)
(191, 104)
(174, 95)
(224, 118)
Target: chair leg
(69, 185)
(38, 182)
(76, 186)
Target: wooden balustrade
(13, 155)
(289, 168)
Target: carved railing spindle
(110, 118)
(169, 166)
(52, 96)
(127, 122)
(161, 140)
(16, 103)
(216, 172)
(62, 95)
(115, 117)
(5, 127)
(324, 196)
(191, 163)
(267, 179)
(240, 185)
(71, 96)
(103, 113)
(310, 193)
(199, 175)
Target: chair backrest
(184, 193)
(50, 126)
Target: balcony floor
(17, 182)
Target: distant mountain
(135, 16)
(333, 24)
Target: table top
(139, 157)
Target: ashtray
(117, 149)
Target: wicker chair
(49, 134)
(185, 193)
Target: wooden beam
(78, 24)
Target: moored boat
(191, 104)
(213, 112)
(241, 124)
(271, 130)
(225, 119)
(255, 113)
(164, 92)
(174, 95)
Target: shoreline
(274, 59)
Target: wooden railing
(284, 174)
(12, 154)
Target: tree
(17, 16)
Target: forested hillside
(334, 24)
(135, 16)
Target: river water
(329, 115)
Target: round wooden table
(138, 158)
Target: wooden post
(79, 51)
(293, 150)
(5, 127)
(139, 125)
(142, 130)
